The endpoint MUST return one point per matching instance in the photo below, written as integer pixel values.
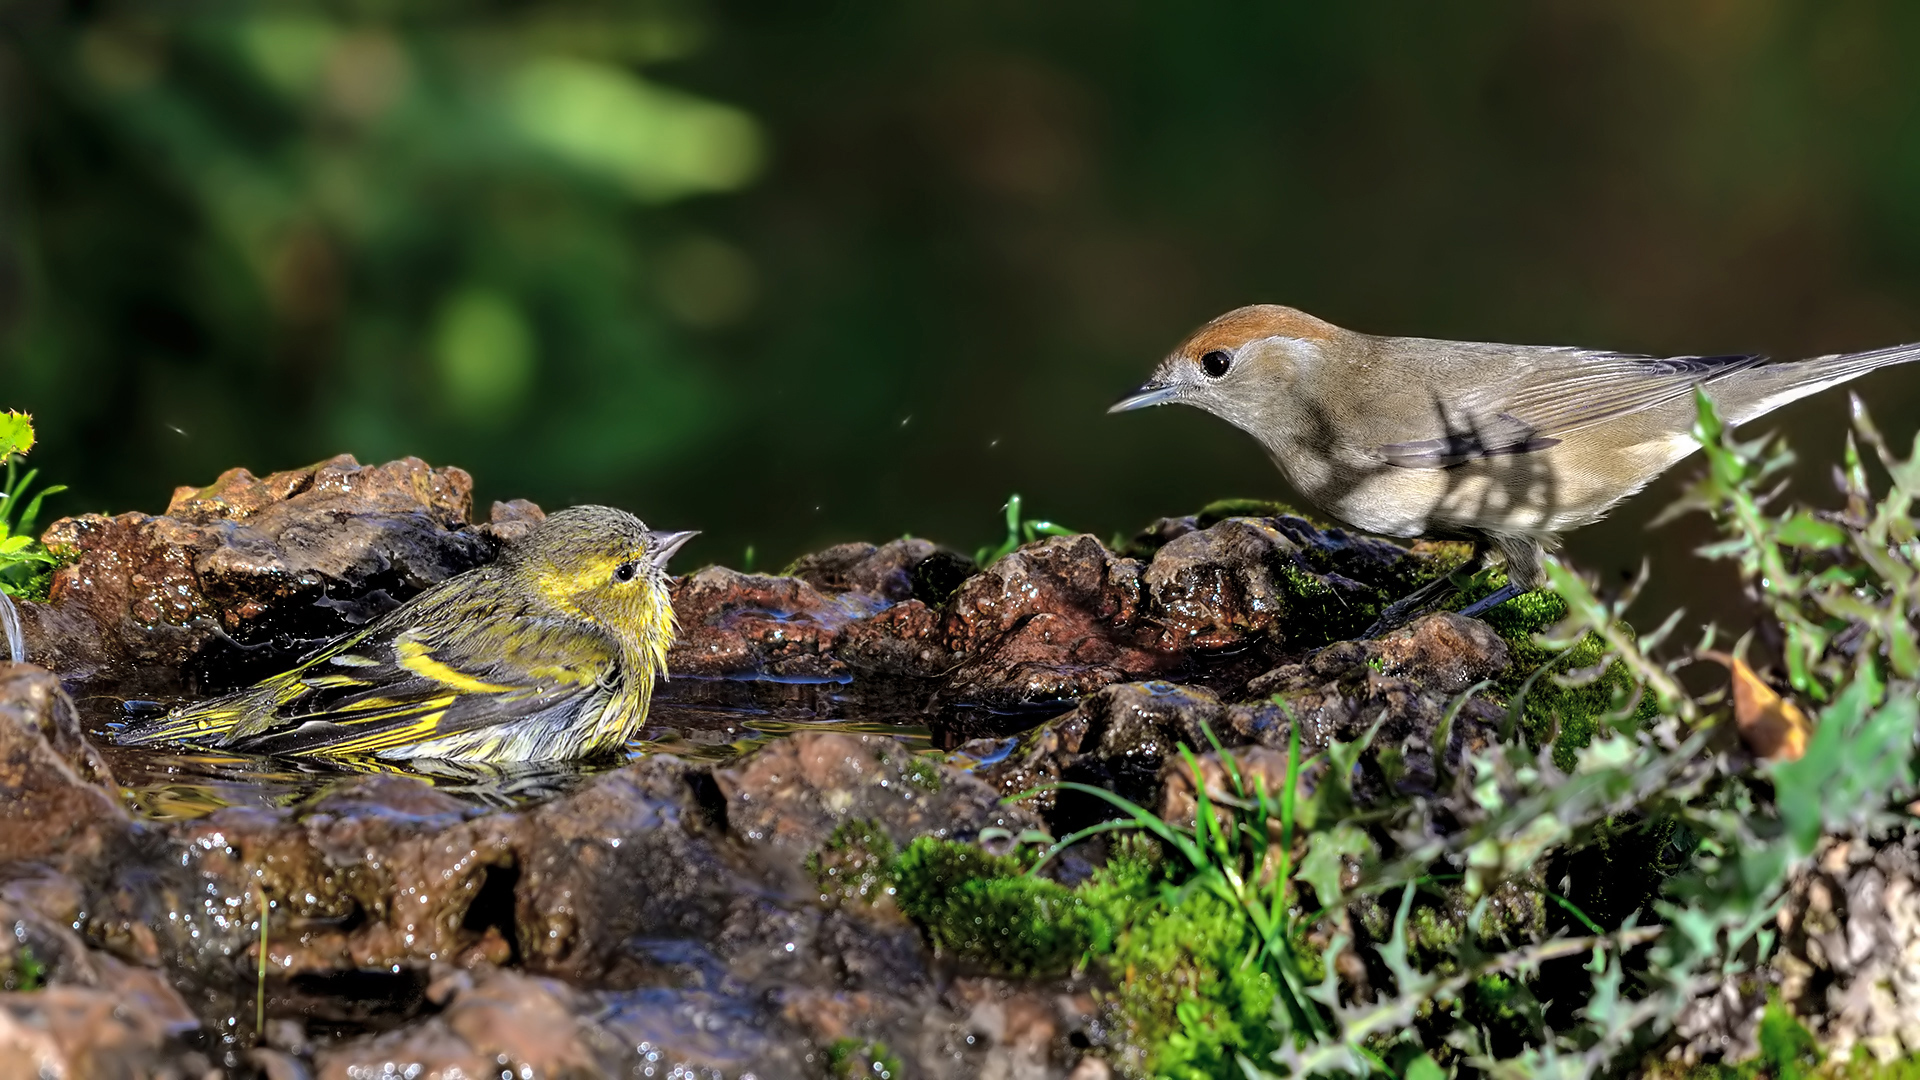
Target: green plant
(862, 1059)
(25, 565)
(29, 972)
(1019, 532)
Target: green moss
(923, 773)
(848, 1059)
(29, 972)
(1187, 992)
(987, 910)
(1317, 613)
(855, 864)
(1568, 717)
(1185, 985)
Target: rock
(794, 792)
(68, 1010)
(509, 521)
(84, 1032)
(1223, 585)
(885, 571)
(57, 799)
(734, 624)
(385, 873)
(1443, 652)
(1848, 962)
(500, 1023)
(1053, 620)
(299, 554)
(903, 640)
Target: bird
(548, 653)
(1507, 446)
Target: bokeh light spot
(484, 351)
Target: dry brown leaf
(1771, 726)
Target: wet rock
(903, 640)
(1223, 585)
(885, 571)
(734, 624)
(500, 1023)
(1443, 652)
(794, 792)
(1053, 620)
(249, 558)
(938, 575)
(384, 874)
(57, 799)
(82, 1031)
(70, 1010)
(1022, 1032)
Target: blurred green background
(801, 273)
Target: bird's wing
(1551, 398)
(392, 691)
(391, 686)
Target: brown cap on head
(1253, 322)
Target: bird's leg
(1426, 597)
(1522, 556)
(1492, 600)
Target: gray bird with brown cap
(1506, 445)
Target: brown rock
(500, 1023)
(57, 799)
(734, 624)
(81, 1031)
(253, 557)
(904, 639)
(793, 792)
(1222, 585)
(1442, 652)
(1053, 620)
(885, 571)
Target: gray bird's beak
(1143, 397)
(665, 544)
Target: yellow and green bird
(548, 653)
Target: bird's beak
(1143, 397)
(665, 544)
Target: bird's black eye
(1216, 363)
(625, 571)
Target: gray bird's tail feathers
(1754, 392)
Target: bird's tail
(1754, 392)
